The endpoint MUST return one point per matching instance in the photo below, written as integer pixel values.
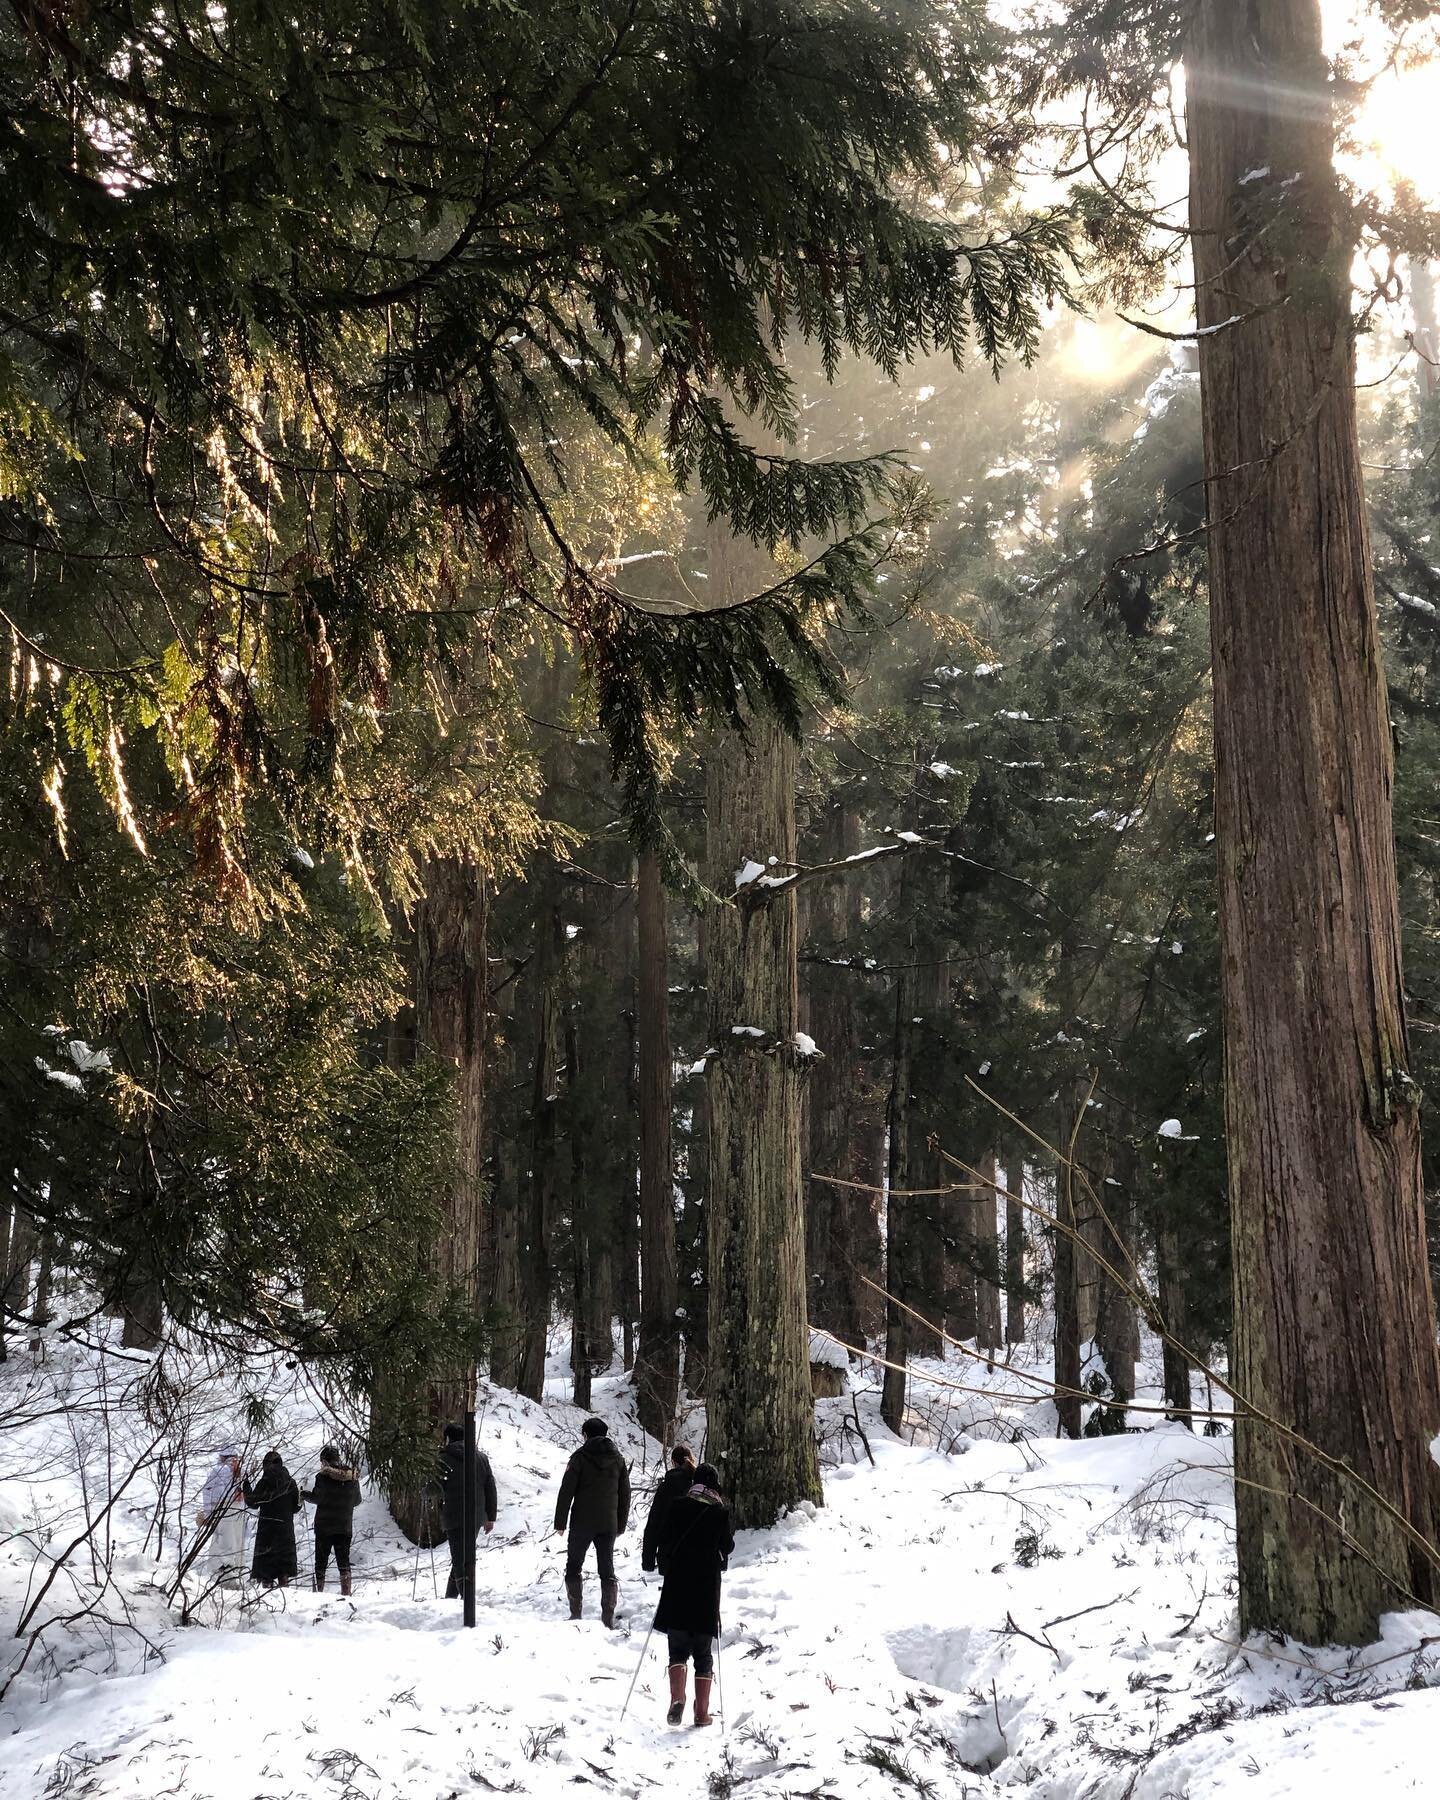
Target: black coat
(276, 1500)
(694, 1548)
(595, 1493)
(674, 1486)
(455, 1514)
(335, 1496)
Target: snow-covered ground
(1028, 1617)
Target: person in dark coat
(675, 1483)
(594, 1502)
(462, 1511)
(276, 1500)
(694, 1548)
(335, 1493)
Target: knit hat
(593, 1428)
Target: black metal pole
(470, 1512)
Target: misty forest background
(574, 761)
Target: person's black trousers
(456, 1541)
(577, 1546)
(685, 1644)
(325, 1542)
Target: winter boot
(575, 1592)
(609, 1594)
(345, 1587)
(702, 1699)
(319, 1582)
(677, 1694)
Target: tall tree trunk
(657, 1364)
(1334, 1320)
(1014, 1251)
(988, 1333)
(1066, 1276)
(899, 1327)
(506, 1309)
(43, 1278)
(538, 1210)
(1175, 1373)
(930, 1113)
(452, 977)
(1117, 1327)
(582, 1233)
(760, 1408)
(144, 1314)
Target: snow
(749, 871)
(66, 1077)
(998, 1613)
(1435, 1448)
(825, 1353)
(805, 1045)
(984, 1068)
(750, 1031)
(941, 770)
(984, 669)
(909, 837)
(1170, 1128)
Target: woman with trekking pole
(694, 1548)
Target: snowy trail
(1046, 1621)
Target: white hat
(226, 1451)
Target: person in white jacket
(222, 1518)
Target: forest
(722, 713)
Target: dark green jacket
(595, 1494)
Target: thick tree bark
(1014, 1252)
(657, 1363)
(1334, 1322)
(760, 1408)
(988, 1333)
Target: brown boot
(609, 1594)
(702, 1699)
(345, 1583)
(677, 1694)
(576, 1593)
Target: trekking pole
(719, 1687)
(434, 1576)
(644, 1652)
(415, 1577)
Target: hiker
(594, 1500)
(276, 1500)
(674, 1484)
(222, 1517)
(334, 1494)
(694, 1548)
(462, 1513)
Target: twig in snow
(1012, 1629)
